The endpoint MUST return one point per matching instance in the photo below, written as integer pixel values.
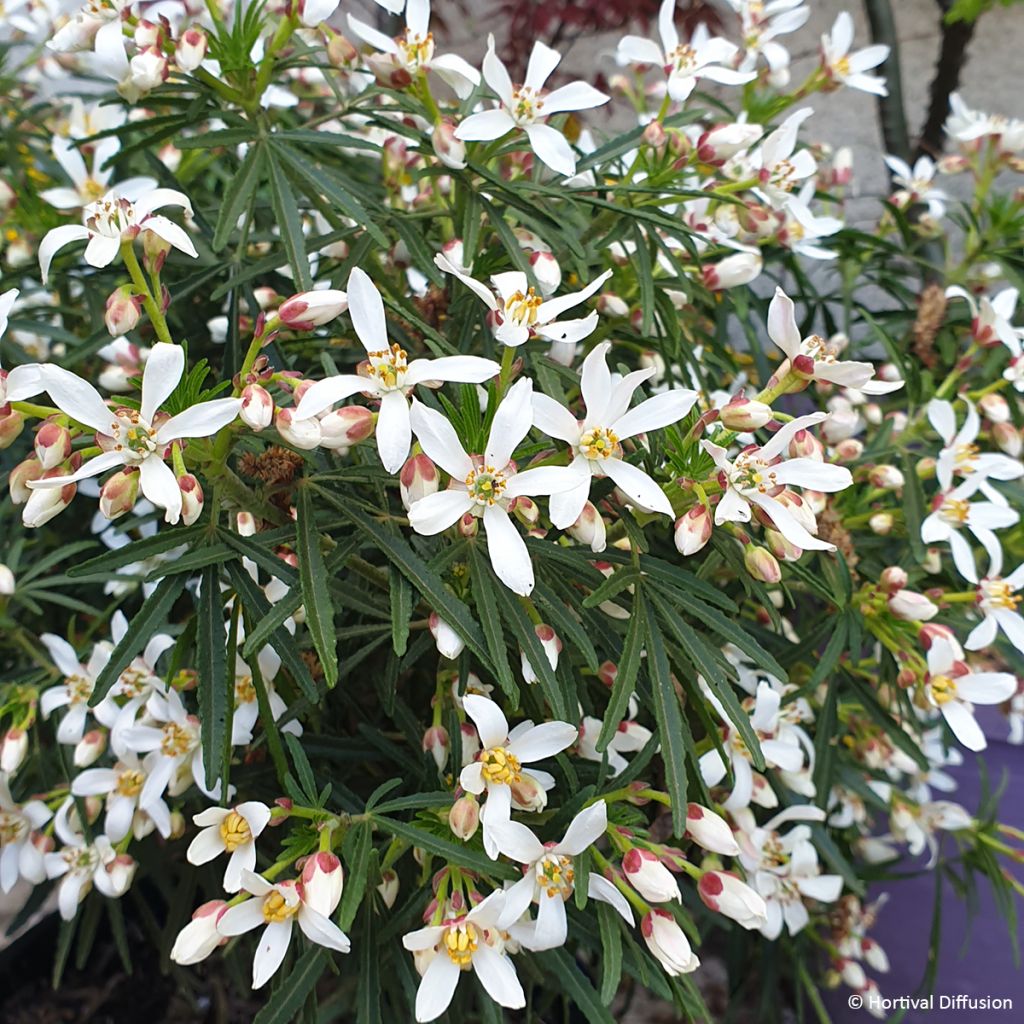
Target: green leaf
(671, 727)
(456, 853)
(368, 993)
(484, 586)
(214, 688)
(358, 845)
(243, 184)
(400, 596)
(141, 626)
(913, 509)
(285, 1004)
(576, 986)
(611, 952)
(625, 677)
(316, 595)
(137, 551)
(289, 221)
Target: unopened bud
(745, 414)
(893, 578)
(733, 271)
(995, 408)
(303, 434)
(307, 310)
(190, 50)
(191, 498)
(7, 581)
(20, 477)
(46, 502)
(464, 817)
(122, 312)
(90, 747)
(911, 606)
(547, 271)
(451, 151)
(762, 564)
(589, 529)
(649, 876)
(528, 794)
(1008, 438)
(693, 530)
(13, 750)
(344, 427)
(321, 882)
(417, 479)
(257, 411)
(889, 478)
(388, 887)
(654, 134)
(11, 424)
(435, 742)
(449, 643)
(52, 444)
(119, 494)
(881, 523)
(804, 445)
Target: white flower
(812, 358)
(114, 220)
(485, 485)
(499, 767)
(471, 942)
(233, 831)
(199, 938)
(952, 513)
(122, 786)
(992, 318)
(596, 440)
(997, 601)
(389, 375)
(76, 690)
(630, 737)
(684, 63)
(19, 855)
(519, 313)
(528, 106)
(90, 186)
(755, 473)
(140, 437)
(953, 688)
(79, 866)
(413, 51)
(915, 184)
(848, 68)
(960, 453)
(761, 24)
(247, 710)
(777, 168)
(548, 879)
(23, 381)
(277, 906)
(966, 125)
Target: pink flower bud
(911, 606)
(149, 69)
(1005, 435)
(257, 411)
(528, 795)
(654, 134)
(649, 876)
(47, 502)
(190, 50)
(13, 750)
(995, 408)
(589, 528)
(119, 494)
(552, 648)
(804, 445)
(874, 955)
(451, 151)
(321, 882)
(388, 888)
(303, 434)
(435, 742)
(417, 479)
(11, 424)
(464, 817)
(720, 143)
(468, 525)
(881, 523)
(893, 578)
(307, 310)
(547, 271)
(449, 643)
(761, 564)
(191, 498)
(745, 414)
(667, 942)
(344, 427)
(52, 444)
(90, 747)
(19, 477)
(733, 271)
(525, 510)
(725, 894)
(693, 530)
(199, 938)
(122, 312)
(710, 831)
(889, 478)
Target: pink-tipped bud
(417, 479)
(649, 876)
(451, 151)
(257, 411)
(552, 648)
(693, 530)
(745, 414)
(464, 817)
(547, 271)
(90, 747)
(733, 271)
(468, 525)
(190, 50)
(307, 310)
(609, 304)
(436, 743)
(122, 312)
(995, 408)
(13, 750)
(344, 427)
(20, 477)
(718, 144)
(449, 643)
(1005, 435)
(525, 510)
(388, 888)
(191, 498)
(725, 894)
(668, 943)
(881, 523)
(12, 423)
(804, 445)
(911, 606)
(321, 882)
(303, 434)
(654, 134)
(45, 503)
(762, 564)
(52, 444)
(119, 494)
(888, 478)
(893, 578)
(199, 938)
(529, 795)
(589, 529)
(710, 831)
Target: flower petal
(164, 367)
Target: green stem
(156, 315)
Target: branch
(891, 114)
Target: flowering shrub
(584, 546)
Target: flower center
(841, 67)
(751, 474)
(133, 436)
(955, 511)
(245, 691)
(276, 908)
(389, 366)
(415, 50)
(526, 105)
(998, 594)
(92, 189)
(235, 832)
(79, 688)
(460, 942)
(133, 681)
(964, 456)
(110, 217)
(177, 740)
(130, 781)
(682, 59)
(943, 689)
(498, 765)
(599, 443)
(13, 827)
(555, 875)
(523, 308)
(485, 485)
